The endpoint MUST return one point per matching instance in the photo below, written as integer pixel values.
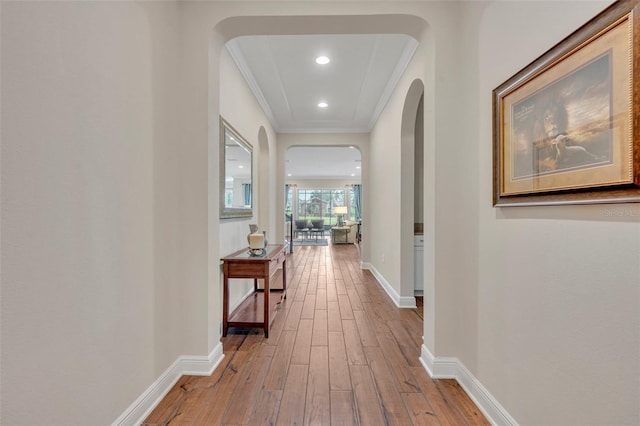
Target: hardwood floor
(339, 352)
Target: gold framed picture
(565, 127)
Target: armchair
(302, 227)
(317, 228)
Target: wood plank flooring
(339, 353)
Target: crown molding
(243, 67)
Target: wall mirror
(236, 173)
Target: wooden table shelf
(256, 309)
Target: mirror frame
(232, 212)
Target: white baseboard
(401, 302)
(184, 365)
(452, 368)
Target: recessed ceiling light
(322, 60)
(288, 174)
(352, 174)
(241, 166)
(357, 167)
(323, 105)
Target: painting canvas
(566, 126)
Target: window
(316, 204)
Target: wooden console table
(241, 264)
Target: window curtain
(246, 187)
(357, 198)
(287, 189)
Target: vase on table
(257, 241)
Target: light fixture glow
(323, 105)
(288, 174)
(340, 211)
(322, 60)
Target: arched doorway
(319, 181)
(234, 27)
(411, 189)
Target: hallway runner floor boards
(339, 352)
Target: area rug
(311, 242)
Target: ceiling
(356, 84)
(315, 162)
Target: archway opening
(234, 27)
(411, 251)
(323, 183)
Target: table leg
(225, 305)
(284, 277)
(266, 305)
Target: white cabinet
(418, 264)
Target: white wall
(241, 110)
(559, 287)
(384, 217)
(85, 126)
(437, 40)
(456, 247)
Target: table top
(244, 255)
(341, 227)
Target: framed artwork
(566, 128)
